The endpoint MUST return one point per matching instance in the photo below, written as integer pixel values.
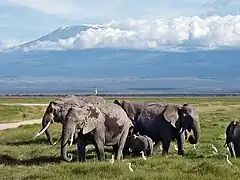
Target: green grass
(13, 113)
(22, 157)
(26, 99)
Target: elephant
(233, 138)
(140, 143)
(57, 109)
(101, 125)
(133, 109)
(166, 123)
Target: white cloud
(54, 7)
(177, 33)
(8, 43)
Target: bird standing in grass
(194, 146)
(96, 92)
(129, 166)
(175, 147)
(160, 146)
(229, 162)
(215, 151)
(112, 160)
(228, 149)
(143, 155)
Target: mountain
(128, 71)
(175, 34)
(129, 57)
(56, 36)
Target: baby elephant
(140, 143)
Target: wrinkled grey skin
(233, 138)
(57, 109)
(102, 125)
(133, 109)
(140, 143)
(166, 123)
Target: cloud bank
(9, 43)
(181, 33)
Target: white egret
(215, 149)
(112, 160)
(229, 162)
(143, 155)
(175, 147)
(129, 166)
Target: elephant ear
(150, 144)
(129, 109)
(190, 110)
(93, 116)
(117, 102)
(171, 114)
(54, 108)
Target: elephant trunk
(45, 121)
(193, 139)
(67, 133)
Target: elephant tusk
(71, 140)
(42, 131)
(57, 140)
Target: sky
(25, 20)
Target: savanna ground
(21, 157)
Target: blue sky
(24, 20)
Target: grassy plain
(13, 113)
(21, 157)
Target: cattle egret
(129, 166)
(112, 160)
(215, 149)
(229, 162)
(143, 155)
(176, 148)
(160, 147)
(96, 92)
(194, 146)
(227, 149)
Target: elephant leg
(166, 144)
(115, 149)
(156, 146)
(180, 143)
(81, 145)
(100, 149)
(122, 144)
(186, 135)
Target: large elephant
(102, 125)
(57, 109)
(233, 138)
(133, 109)
(166, 123)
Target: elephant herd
(129, 127)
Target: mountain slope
(57, 35)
